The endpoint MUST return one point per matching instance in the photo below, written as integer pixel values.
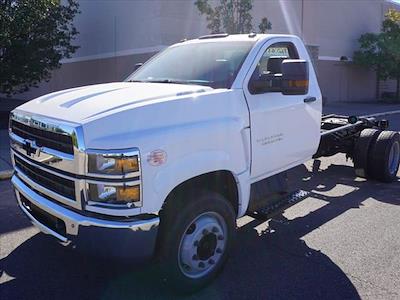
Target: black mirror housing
(265, 83)
(295, 77)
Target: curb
(7, 174)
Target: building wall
(114, 35)
(333, 26)
(109, 28)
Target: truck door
(285, 129)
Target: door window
(269, 68)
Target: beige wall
(336, 25)
(114, 35)
(123, 27)
(342, 81)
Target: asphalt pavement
(5, 159)
(341, 242)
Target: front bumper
(134, 238)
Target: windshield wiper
(169, 81)
(161, 81)
(176, 81)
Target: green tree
(230, 16)
(371, 55)
(265, 25)
(391, 41)
(380, 52)
(34, 36)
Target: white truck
(162, 164)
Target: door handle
(310, 99)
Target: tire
(384, 156)
(361, 151)
(196, 235)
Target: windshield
(210, 64)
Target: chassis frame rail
(339, 132)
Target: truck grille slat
(43, 138)
(57, 184)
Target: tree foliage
(371, 53)
(265, 25)
(391, 45)
(380, 52)
(230, 16)
(34, 36)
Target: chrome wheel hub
(202, 245)
(394, 157)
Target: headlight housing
(114, 179)
(111, 194)
(117, 164)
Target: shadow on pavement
(275, 264)
(11, 217)
(320, 181)
(272, 266)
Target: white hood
(79, 104)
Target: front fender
(200, 163)
(206, 150)
(199, 135)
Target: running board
(280, 205)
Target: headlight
(115, 194)
(113, 164)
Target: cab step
(279, 205)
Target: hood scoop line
(78, 100)
(146, 100)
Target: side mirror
(137, 66)
(265, 83)
(294, 77)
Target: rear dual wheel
(377, 155)
(384, 157)
(362, 148)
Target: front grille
(57, 184)
(44, 138)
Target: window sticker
(277, 51)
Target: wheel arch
(220, 181)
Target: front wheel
(197, 234)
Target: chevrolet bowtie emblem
(29, 147)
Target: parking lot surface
(341, 242)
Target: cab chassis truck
(162, 164)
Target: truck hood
(79, 105)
